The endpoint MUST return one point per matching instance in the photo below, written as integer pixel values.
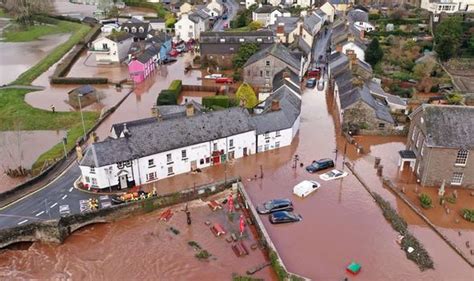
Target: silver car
(64, 210)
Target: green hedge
(170, 96)
(222, 101)
(79, 80)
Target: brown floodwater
(140, 248)
(341, 222)
(66, 7)
(22, 148)
(16, 58)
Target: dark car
(116, 200)
(311, 83)
(224, 16)
(168, 60)
(284, 217)
(319, 165)
(275, 205)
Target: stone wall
(258, 74)
(56, 231)
(363, 116)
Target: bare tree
(24, 10)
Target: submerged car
(275, 205)
(168, 60)
(319, 165)
(311, 83)
(214, 76)
(333, 175)
(321, 85)
(305, 188)
(284, 217)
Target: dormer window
(134, 29)
(141, 29)
(126, 29)
(259, 39)
(241, 40)
(222, 40)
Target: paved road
(232, 8)
(44, 204)
(320, 45)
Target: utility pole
(79, 96)
(295, 161)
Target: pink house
(142, 66)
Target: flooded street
(139, 248)
(18, 57)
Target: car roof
(280, 200)
(324, 160)
(280, 214)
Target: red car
(316, 73)
(225, 80)
(174, 53)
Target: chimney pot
(189, 110)
(275, 105)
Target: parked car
(181, 48)
(224, 16)
(168, 60)
(319, 165)
(174, 53)
(274, 206)
(311, 83)
(315, 72)
(305, 188)
(333, 175)
(321, 84)
(226, 25)
(284, 217)
(64, 210)
(225, 80)
(214, 76)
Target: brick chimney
(275, 105)
(155, 112)
(338, 48)
(285, 74)
(280, 28)
(352, 56)
(189, 110)
(362, 34)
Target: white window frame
(457, 178)
(461, 157)
(151, 163)
(92, 170)
(266, 135)
(277, 144)
(413, 134)
(184, 154)
(94, 181)
(170, 170)
(231, 143)
(214, 147)
(277, 134)
(169, 158)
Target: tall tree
(374, 52)
(246, 50)
(448, 37)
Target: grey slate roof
(363, 94)
(289, 24)
(199, 15)
(449, 126)
(277, 50)
(270, 121)
(335, 2)
(160, 136)
(267, 9)
(301, 45)
(310, 21)
(377, 89)
(210, 37)
(84, 90)
(280, 80)
(358, 15)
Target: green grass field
(16, 33)
(16, 114)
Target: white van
(305, 188)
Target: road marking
(22, 222)
(54, 180)
(64, 197)
(70, 189)
(40, 213)
(52, 206)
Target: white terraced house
(183, 138)
(448, 6)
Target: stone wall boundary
(266, 240)
(57, 230)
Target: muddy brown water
(139, 248)
(18, 57)
(23, 148)
(341, 222)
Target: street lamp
(79, 96)
(295, 161)
(108, 171)
(64, 145)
